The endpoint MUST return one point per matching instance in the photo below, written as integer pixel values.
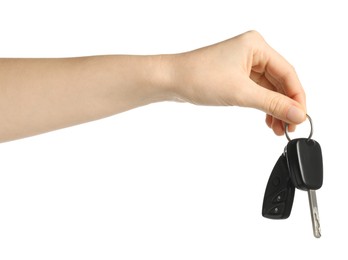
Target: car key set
(299, 166)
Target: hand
(243, 71)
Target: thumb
(277, 105)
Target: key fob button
(277, 210)
(280, 197)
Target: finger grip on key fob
(310, 133)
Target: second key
(305, 164)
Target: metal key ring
(310, 134)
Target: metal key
(305, 165)
(314, 213)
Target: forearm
(40, 95)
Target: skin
(41, 95)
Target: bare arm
(40, 95)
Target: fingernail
(296, 115)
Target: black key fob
(280, 192)
(305, 163)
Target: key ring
(310, 134)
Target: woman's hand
(242, 71)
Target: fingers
(282, 75)
(281, 95)
(273, 103)
(285, 80)
(276, 124)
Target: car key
(306, 172)
(305, 165)
(279, 193)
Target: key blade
(313, 205)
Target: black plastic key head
(279, 193)
(305, 163)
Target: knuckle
(274, 105)
(251, 39)
(254, 35)
(288, 76)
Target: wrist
(161, 77)
(167, 77)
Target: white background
(169, 180)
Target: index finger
(283, 75)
